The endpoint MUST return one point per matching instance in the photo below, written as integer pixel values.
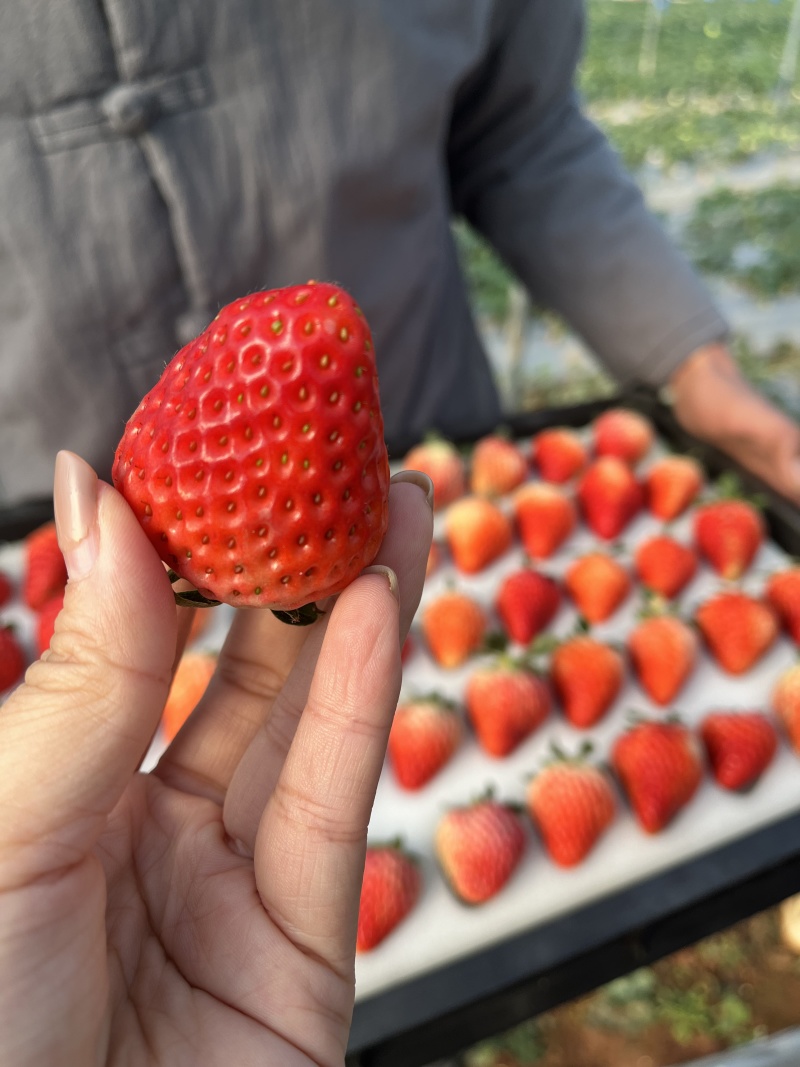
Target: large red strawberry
(44, 569)
(786, 702)
(425, 733)
(454, 626)
(571, 802)
(46, 621)
(445, 467)
(671, 485)
(728, 534)
(526, 603)
(737, 628)
(609, 496)
(783, 593)
(390, 888)
(6, 588)
(664, 565)
(478, 532)
(12, 658)
(622, 433)
(257, 465)
(559, 454)
(660, 768)
(478, 848)
(587, 677)
(505, 703)
(663, 651)
(498, 466)
(739, 745)
(598, 584)
(545, 517)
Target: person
(162, 159)
(204, 913)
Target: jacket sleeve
(531, 173)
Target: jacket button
(130, 109)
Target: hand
(204, 913)
(714, 402)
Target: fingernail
(391, 577)
(419, 479)
(75, 500)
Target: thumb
(72, 736)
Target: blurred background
(702, 100)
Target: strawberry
(663, 651)
(598, 584)
(786, 702)
(6, 588)
(609, 496)
(478, 848)
(193, 673)
(559, 454)
(571, 803)
(477, 533)
(434, 558)
(545, 517)
(46, 621)
(12, 658)
(256, 465)
(660, 768)
(425, 733)
(587, 677)
(737, 628)
(390, 888)
(407, 649)
(740, 746)
(498, 466)
(45, 572)
(664, 565)
(443, 464)
(454, 626)
(783, 593)
(622, 433)
(201, 622)
(671, 485)
(505, 704)
(728, 534)
(526, 603)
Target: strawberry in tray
(479, 847)
(559, 454)
(598, 584)
(12, 658)
(671, 486)
(728, 533)
(740, 745)
(572, 803)
(660, 767)
(545, 516)
(44, 569)
(505, 702)
(454, 626)
(390, 889)
(257, 465)
(194, 671)
(477, 532)
(622, 433)
(786, 702)
(738, 629)
(664, 565)
(497, 467)
(782, 591)
(587, 676)
(609, 496)
(526, 603)
(425, 733)
(445, 467)
(663, 651)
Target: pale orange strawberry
(783, 593)
(434, 558)
(190, 682)
(598, 584)
(479, 847)
(622, 433)
(571, 802)
(664, 565)
(786, 702)
(545, 517)
(445, 467)
(559, 454)
(663, 651)
(505, 704)
(587, 677)
(659, 765)
(477, 532)
(609, 496)
(454, 626)
(425, 733)
(728, 534)
(671, 485)
(738, 629)
(498, 466)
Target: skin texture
(206, 912)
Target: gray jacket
(160, 157)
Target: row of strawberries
(571, 802)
